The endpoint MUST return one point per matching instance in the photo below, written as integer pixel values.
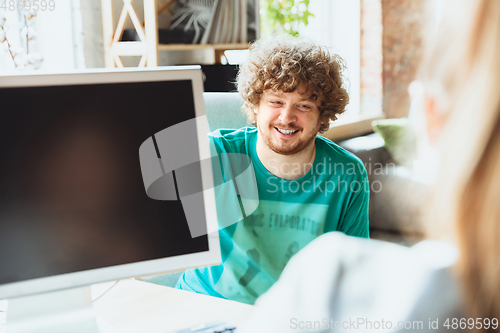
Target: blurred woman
(341, 283)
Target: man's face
(287, 122)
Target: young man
(307, 185)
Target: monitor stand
(68, 311)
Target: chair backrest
(224, 110)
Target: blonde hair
(465, 63)
(285, 63)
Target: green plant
(278, 16)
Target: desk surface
(137, 306)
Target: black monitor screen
(72, 197)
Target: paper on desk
(3, 315)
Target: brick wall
(371, 57)
(402, 41)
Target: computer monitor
(104, 175)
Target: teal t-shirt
(332, 196)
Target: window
(337, 25)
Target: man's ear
(434, 118)
(323, 119)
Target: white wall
(55, 38)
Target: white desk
(137, 306)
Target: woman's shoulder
(342, 278)
(351, 251)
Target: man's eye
(276, 102)
(304, 107)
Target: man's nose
(287, 115)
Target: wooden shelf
(187, 47)
(148, 47)
(139, 48)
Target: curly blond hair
(284, 63)
(463, 66)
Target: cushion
(399, 139)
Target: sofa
(396, 195)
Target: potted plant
(284, 16)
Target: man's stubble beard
(294, 149)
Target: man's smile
(286, 132)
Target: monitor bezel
(150, 267)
